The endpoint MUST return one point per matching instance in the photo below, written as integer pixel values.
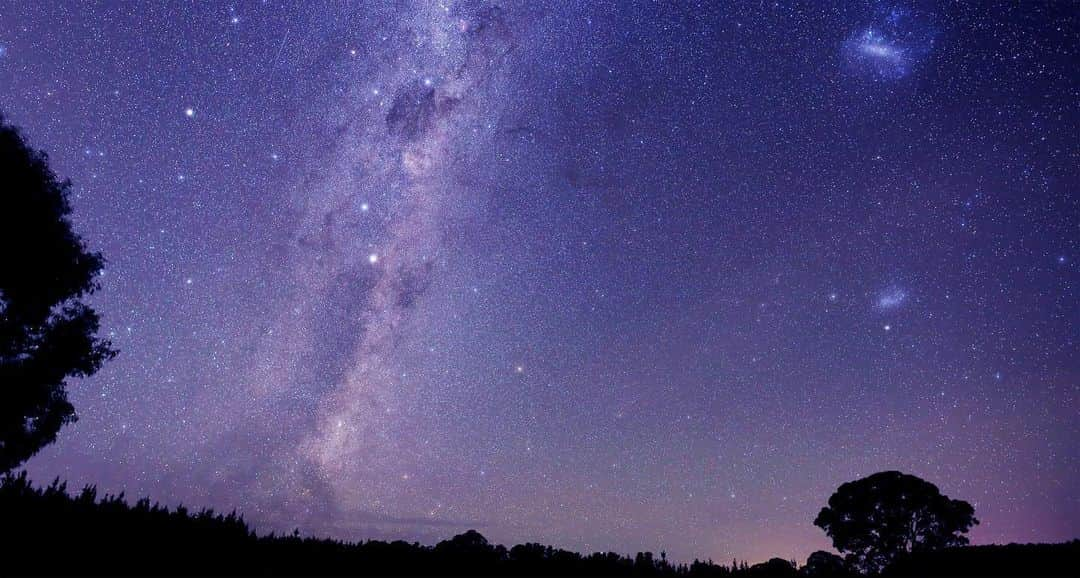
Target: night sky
(603, 275)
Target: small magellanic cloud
(891, 298)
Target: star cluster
(610, 276)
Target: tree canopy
(878, 519)
(47, 333)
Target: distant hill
(48, 531)
(1009, 560)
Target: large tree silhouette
(47, 334)
(880, 518)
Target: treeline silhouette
(54, 532)
(49, 531)
(109, 535)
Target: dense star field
(604, 275)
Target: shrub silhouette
(882, 517)
(47, 334)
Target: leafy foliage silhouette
(47, 334)
(880, 518)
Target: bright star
(189, 112)
(373, 258)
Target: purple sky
(602, 275)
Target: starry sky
(603, 275)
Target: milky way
(352, 438)
(356, 442)
(624, 276)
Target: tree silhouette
(880, 518)
(47, 334)
(774, 568)
(822, 564)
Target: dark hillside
(994, 560)
(48, 531)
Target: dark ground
(48, 531)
